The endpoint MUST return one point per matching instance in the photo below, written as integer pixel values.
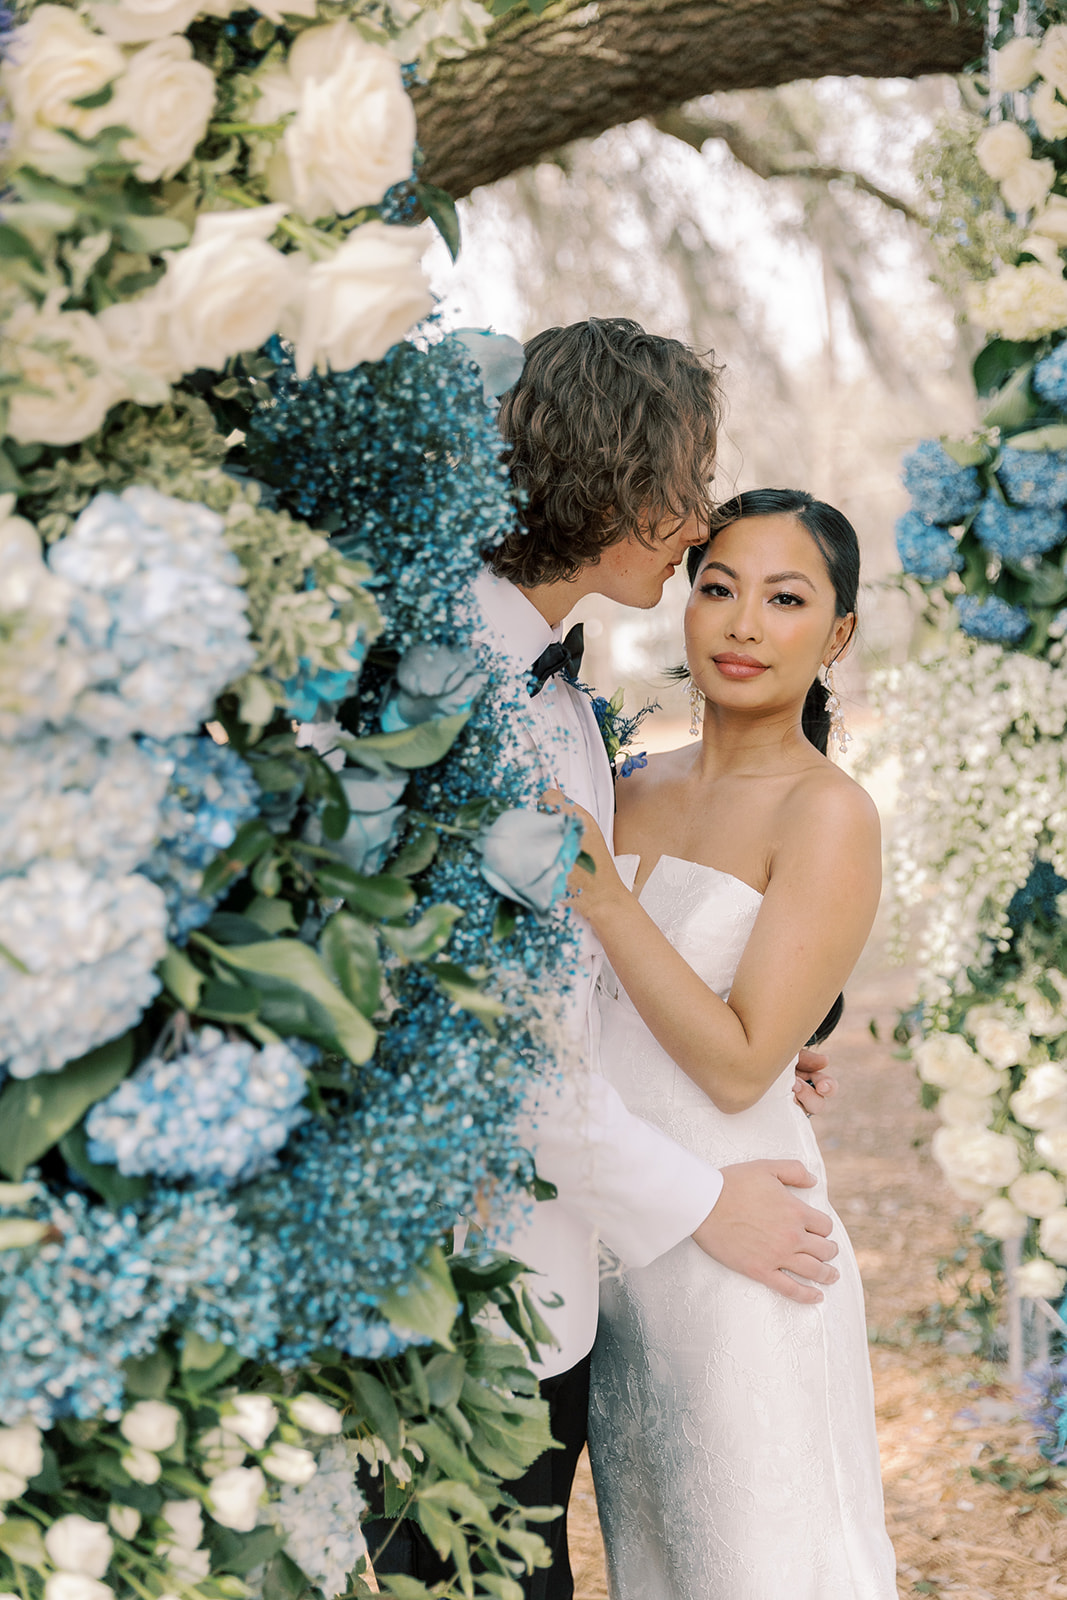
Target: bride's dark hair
(840, 549)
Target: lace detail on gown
(731, 1431)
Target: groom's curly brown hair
(611, 431)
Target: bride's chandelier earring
(839, 734)
(696, 708)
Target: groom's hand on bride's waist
(813, 1082)
(761, 1228)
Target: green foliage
(36, 1112)
(969, 230)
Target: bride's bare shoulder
(826, 802)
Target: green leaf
(283, 1579)
(1053, 437)
(111, 1184)
(504, 920)
(379, 897)
(444, 1375)
(403, 1588)
(426, 1303)
(288, 963)
(49, 1480)
(1013, 404)
(148, 1377)
(183, 980)
(273, 916)
(377, 1406)
(36, 1112)
(408, 748)
(101, 97)
(465, 991)
(151, 234)
(440, 207)
(436, 1525)
(349, 948)
(426, 937)
(996, 363)
(415, 854)
(14, 246)
(240, 1552)
(228, 1002)
(443, 1451)
(251, 841)
(21, 1540)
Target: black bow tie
(562, 655)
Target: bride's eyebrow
(789, 577)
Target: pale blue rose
(375, 816)
(526, 855)
(432, 680)
(499, 357)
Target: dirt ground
(939, 1412)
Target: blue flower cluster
(419, 480)
(1017, 534)
(218, 1111)
(104, 1287)
(1046, 1405)
(992, 619)
(1035, 477)
(1050, 378)
(942, 490)
(926, 550)
(210, 794)
(307, 690)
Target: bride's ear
(840, 639)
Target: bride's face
(761, 619)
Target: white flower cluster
(136, 622)
(1002, 1097)
(1028, 301)
(330, 129)
(320, 1520)
(979, 734)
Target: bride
(731, 1430)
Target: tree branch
(586, 65)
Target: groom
(612, 435)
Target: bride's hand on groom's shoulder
(592, 888)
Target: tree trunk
(583, 67)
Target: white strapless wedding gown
(731, 1430)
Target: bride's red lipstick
(732, 666)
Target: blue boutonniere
(618, 731)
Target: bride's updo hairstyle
(839, 547)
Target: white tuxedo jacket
(618, 1178)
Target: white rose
(1002, 1044)
(75, 1586)
(186, 1520)
(1052, 57)
(1052, 1235)
(125, 1520)
(289, 1463)
(1001, 1220)
(140, 352)
(1001, 148)
(1040, 1280)
(353, 135)
(1026, 187)
(1044, 1020)
(20, 1449)
(65, 354)
(1049, 112)
(1052, 1147)
(363, 299)
(1041, 1099)
(1019, 303)
(12, 1485)
(234, 1496)
(189, 1566)
(276, 10)
(313, 1414)
(166, 99)
(941, 1059)
(142, 1465)
(151, 1424)
(137, 21)
(226, 291)
(77, 1544)
(52, 61)
(1052, 221)
(253, 1418)
(1043, 250)
(1016, 65)
(975, 1158)
(962, 1110)
(219, 1452)
(1039, 1194)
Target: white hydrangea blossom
(68, 795)
(41, 671)
(76, 968)
(320, 1519)
(980, 738)
(161, 608)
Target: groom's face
(634, 570)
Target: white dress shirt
(617, 1177)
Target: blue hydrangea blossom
(992, 619)
(942, 490)
(1035, 477)
(925, 549)
(1017, 534)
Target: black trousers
(548, 1482)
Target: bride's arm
(812, 925)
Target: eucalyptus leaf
(36, 1112)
